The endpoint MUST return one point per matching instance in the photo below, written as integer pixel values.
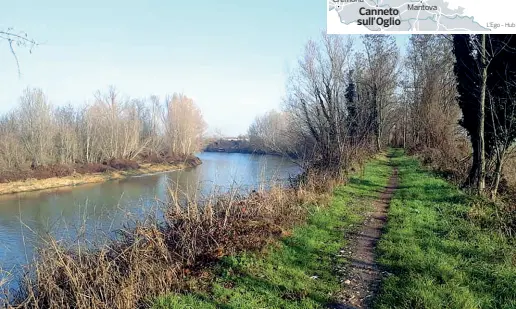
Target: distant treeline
(240, 145)
(110, 126)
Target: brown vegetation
(451, 163)
(443, 114)
(155, 257)
(337, 103)
(55, 176)
(62, 170)
(231, 146)
(428, 111)
(272, 133)
(338, 110)
(39, 141)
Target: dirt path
(363, 275)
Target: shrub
(154, 256)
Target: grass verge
(298, 271)
(441, 250)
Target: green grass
(437, 255)
(298, 272)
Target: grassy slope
(283, 277)
(438, 255)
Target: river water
(25, 218)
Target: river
(25, 218)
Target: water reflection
(66, 212)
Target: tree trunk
(380, 124)
(481, 146)
(498, 176)
(405, 127)
(472, 179)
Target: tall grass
(304, 269)
(158, 253)
(453, 165)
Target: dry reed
(156, 256)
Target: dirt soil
(108, 166)
(363, 274)
(55, 176)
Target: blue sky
(231, 57)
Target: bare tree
(110, 127)
(66, 141)
(429, 111)
(12, 153)
(500, 109)
(184, 125)
(35, 118)
(316, 98)
(17, 39)
(504, 132)
(153, 126)
(274, 132)
(380, 79)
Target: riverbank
(293, 248)
(159, 254)
(76, 178)
(303, 268)
(441, 249)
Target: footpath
(395, 236)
